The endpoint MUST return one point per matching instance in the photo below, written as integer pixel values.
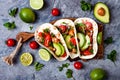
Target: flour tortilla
(95, 32)
(70, 23)
(55, 31)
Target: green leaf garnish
(38, 66)
(85, 6)
(108, 40)
(31, 27)
(13, 12)
(112, 55)
(10, 25)
(69, 73)
(63, 66)
(47, 30)
(80, 27)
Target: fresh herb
(112, 55)
(72, 45)
(80, 27)
(38, 66)
(63, 22)
(52, 35)
(91, 50)
(13, 12)
(69, 73)
(46, 30)
(10, 25)
(85, 6)
(108, 40)
(31, 27)
(63, 66)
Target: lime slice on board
(44, 54)
(36, 4)
(26, 59)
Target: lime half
(44, 54)
(26, 59)
(36, 4)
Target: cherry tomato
(33, 45)
(86, 52)
(46, 43)
(11, 42)
(64, 55)
(55, 12)
(63, 28)
(89, 25)
(73, 41)
(78, 65)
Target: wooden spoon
(20, 37)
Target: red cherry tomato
(86, 52)
(55, 12)
(89, 25)
(33, 45)
(64, 55)
(78, 65)
(63, 28)
(73, 41)
(11, 42)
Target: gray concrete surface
(69, 8)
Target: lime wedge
(36, 4)
(44, 54)
(26, 59)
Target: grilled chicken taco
(50, 38)
(68, 31)
(87, 30)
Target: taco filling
(67, 29)
(86, 35)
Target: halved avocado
(58, 51)
(101, 12)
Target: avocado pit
(101, 11)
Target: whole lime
(97, 74)
(27, 15)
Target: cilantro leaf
(31, 27)
(63, 66)
(10, 25)
(85, 6)
(69, 73)
(13, 12)
(112, 55)
(38, 66)
(108, 40)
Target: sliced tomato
(86, 52)
(47, 39)
(73, 41)
(63, 28)
(40, 34)
(64, 55)
(89, 26)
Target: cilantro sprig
(63, 66)
(85, 6)
(10, 25)
(108, 40)
(112, 55)
(13, 12)
(38, 66)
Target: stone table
(68, 8)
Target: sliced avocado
(86, 45)
(62, 49)
(82, 39)
(58, 51)
(99, 38)
(101, 12)
(67, 40)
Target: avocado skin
(96, 16)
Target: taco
(87, 30)
(50, 38)
(68, 31)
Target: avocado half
(106, 17)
